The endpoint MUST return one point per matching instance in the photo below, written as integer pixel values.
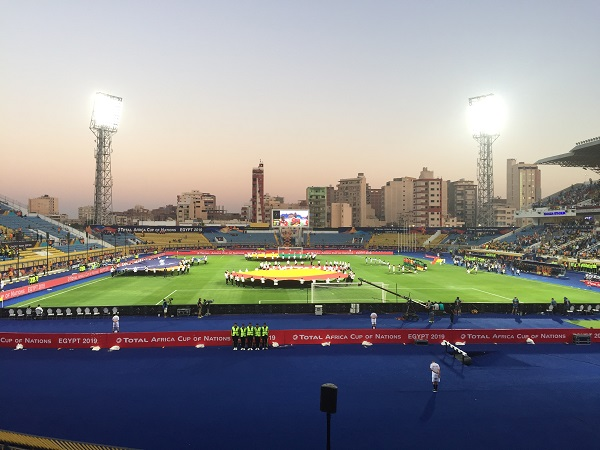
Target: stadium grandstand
(584, 155)
(560, 226)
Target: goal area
(347, 293)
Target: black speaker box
(328, 398)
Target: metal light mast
(484, 132)
(104, 123)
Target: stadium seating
(242, 239)
(336, 239)
(578, 194)
(394, 240)
(173, 239)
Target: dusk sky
(317, 90)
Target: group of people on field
(250, 337)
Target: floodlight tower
(105, 122)
(484, 115)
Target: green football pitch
(441, 283)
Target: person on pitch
(115, 322)
(235, 335)
(242, 337)
(373, 320)
(249, 336)
(257, 336)
(265, 336)
(435, 375)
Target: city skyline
(317, 91)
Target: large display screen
(289, 218)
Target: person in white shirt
(115, 321)
(435, 375)
(373, 320)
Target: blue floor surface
(513, 396)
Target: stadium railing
(308, 308)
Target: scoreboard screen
(289, 218)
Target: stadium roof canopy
(585, 154)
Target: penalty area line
(490, 293)
(167, 296)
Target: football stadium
(406, 310)
(176, 305)
(153, 337)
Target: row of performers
(335, 266)
(281, 256)
(238, 279)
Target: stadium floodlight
(486, 117)
(107, 112)
(487, 114)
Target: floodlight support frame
(485, 174)
(485, 180)
(103, 208)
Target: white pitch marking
(160, 301)
(489, 293)
(63, 291)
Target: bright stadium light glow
(487, 115)
(107, 112)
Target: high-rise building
(429, 200)
(258, 194)
(398, 200)
(195, 205)
(462, 201)
(85, 214)
(45, 205)
(353, 191)
(504, 214)
(376, 198)
(316, 198)
(270, 203)
(341, 215)
(523, 184)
